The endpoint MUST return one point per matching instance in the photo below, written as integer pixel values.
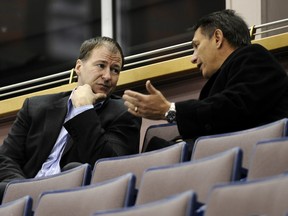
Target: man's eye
(115, 70)
(101, 65)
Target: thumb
(150, 88)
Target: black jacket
(250, 89)
(109, 131)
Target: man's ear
(78, 66)
(218, 35)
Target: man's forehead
(198, 35)
(107, 54)
(195, 36)
(197, 32)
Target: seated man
(246, 85)
(89, 123)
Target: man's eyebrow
(116, 66)
(99, 61)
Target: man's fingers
(131, 94)
(130, 102)
(132, 108)
(128, 98)
(150, 88)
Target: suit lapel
(54, 119)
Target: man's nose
(106, 74)
(194, 58)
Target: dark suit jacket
(109, 131)
(250, 89)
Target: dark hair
(88, 45)
(234, 28)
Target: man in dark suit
(89, 123)
(246, 85)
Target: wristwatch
(170, 115)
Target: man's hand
(152, 106)
(84, 95)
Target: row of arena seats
(167, 182)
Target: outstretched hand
(84, 95)
(151, 106)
